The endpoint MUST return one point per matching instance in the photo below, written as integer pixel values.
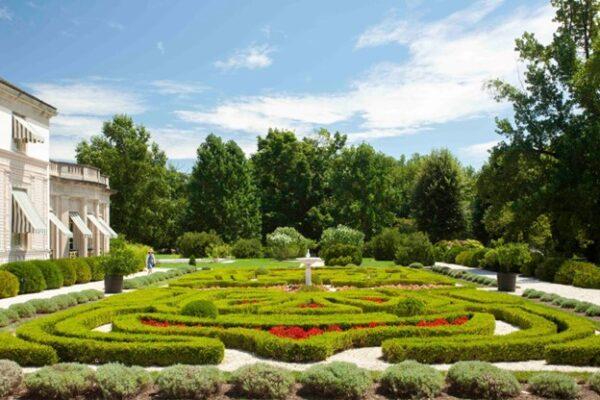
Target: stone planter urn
(507, 281)
(113, 284)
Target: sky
(406, 76)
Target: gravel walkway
(5, 303)
(525, 282)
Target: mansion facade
(48, 209)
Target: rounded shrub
(412, 380)
(414, 247)
(286, 242)
(593, 311)
(43, 306)
(415, 265)
(583, 306)
(547, 269)
(594, 382)
(587, 275)
(247, 248)
(119, 382)
(409, 307)
(68, 271)
(30, 277)
(513, 256)
(341, 254)
(263, 381)
(23, 310)
(261, 271)
(189, 382)
(82, 270)
(464, 257)
(4, 320)
(490, 261)
(61, 381)
(64, 301)
(192, 260)
(95, 264)
(336, 380)
(51, 272)
(197, 243)
(200, 308)
(9, 284)
(384, 245)
(554, 385)
(11, 376)
(481, 380)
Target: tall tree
(142, 206)
(222, 194)
(556, 129)
(364, 188)
(438, 197)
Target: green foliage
(61, 381)
(200, 308)
(409, 306)
(438, 196)
(119, 382)
(263, 381)
(222, 194)
(23, 310)
(385, 244)
(9, 284)
(146, 189)
(121, 260)
(512, 257)
(336, 380)
(587, 275)
(554, 385)
(67, 270)
(414, 247)
(415, 265)
(341, 254)
(51, 272)
(31, 279)
(95, 264)
(491, 261)
(411, 380)
(547, 269)
(287, 242)
(197, 243)
(189, 382)
(11, 376)
(341, 235)
(594, 382)
(44, 306)
(219, 251)
(25, 353)
(247, 248)
(192, 261)
(479, 380)
(83, 270)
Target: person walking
(150, 261)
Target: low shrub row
(465, 275)
(150, 279)
(46, 306)
(34, 276)
(584, 307)
(336, 380)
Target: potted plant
(511, 257)
(120, 262)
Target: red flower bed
(161, 324)
(310, 305)
(378, 300)
(443, 322)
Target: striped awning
(98, 225)
(25, 219)
(112, 232)
(23, 130)
(60, 226)
(78, 222)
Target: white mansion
(48, 209)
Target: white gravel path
(5, 303)
(525, 282)
(504, 328)
(104, 328)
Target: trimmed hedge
(336, 380)
(51, 272)
(9, 284)
(25, 352)
(342, 254)
(478, 380)
(31, 279)
(68, 270)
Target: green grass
(167, 256)
(253, 263)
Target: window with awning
(80, 224)
(60, 226)
(98, 225)
(25, 218)
(25, 132)
(112, 232)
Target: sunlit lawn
(252, 263)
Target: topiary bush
(336, 380)
(61, 381)
(64, 301)
(51, 272)
(412, 380)
(197, 243)
(408, 307)
(415, 265)
(385, 244)
(9, 285)
(31, 279)
(119, 382)
(587, 275)
(547, 269)
(95, 264)
(512, 257)
(464, 257)
(247, 248)
(481, 380)
(554, 385)
(82, 270)
(200, 308)
(68, 270)
(43, 306)
(341, 254)
(341, 234)
(263, 381)
(490, 261)
(287, 242)
(189, 382)
(477, 256)
(219, 251)
(23, 310)
(414, 247)
(11, 376)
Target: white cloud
(441, 80)
(479, 151)
(165, 86)
(5, 14)
(160, 47)
(115, 25)
(82, 108)
(252, 57)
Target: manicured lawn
(167, 256)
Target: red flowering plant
(161, 324)
(378, 300)
(312, 304)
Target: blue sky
(405, 76)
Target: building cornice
(25, 159)
(15, 93)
